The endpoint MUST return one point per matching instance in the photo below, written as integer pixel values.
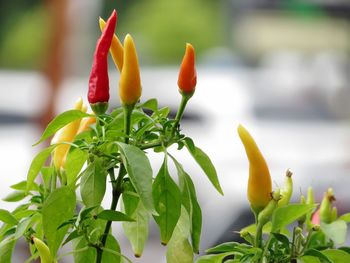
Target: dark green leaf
(60, 121)
(346, 249)
(205, 163)
(167, 199)
(318, 254)
(15, 196)
(336, 255)
(6, 248)
(37, 164)
(151, 104)
(93, 183)
(282, 239)
(285, 215)
(58, 208)
(179, 248)
(84, 212)
(224, 247)
(74, 163)
(336, 231)
(137, 232)
(190, 202)
(112, 215)
(113, 245)
(7, 217)
(309, 259)
(71, 236)
(140, 172)
(213, 258)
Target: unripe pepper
(326, 206)
(66, 134)
(266, 213)
(187, 79)
(287, 190)
(259, 182)
(130, 81)
(44, 251)
(310, 196)
(116, 49)
(98, 94)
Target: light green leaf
(22, 186)
(58, 208)
(7, 217)
(179, 248)
(113, 215)
(130, 198)
(15, 196)
(345, 217)
(336, 255)
(336, 231)
(74, 163)
(140, 172)
(6, 248)
(151, 104)
(83, 255)
(167, 199)
(213, 258)
(36, 165)
(318, 254)
(24, 224)
(190, 202)
(60, 121)
(285, 215)
(112, 244)
(205, 163)
(309, 259)
(93, 183)
(137, 232)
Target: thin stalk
(258, 236)
(180, 112)
(151, 145)
(116, 183)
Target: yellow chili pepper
(116, 49)
(44, 251)
(66, 134)
(130, 81)
(259, 183)
(86, 123)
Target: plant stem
(116, 184)
(180, 112)
(151, 145)
(258, 235)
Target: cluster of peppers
(126, 61)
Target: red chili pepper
(187, 76)
(98, 94)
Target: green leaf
(309, 259)
(345, 217)
(318, 254)
(137, 232)
(167, 199)
(6, 249)
(336, 231)
(112, 244)
(83, 255)
(179, 248)
(93, 183)
(36, 165)
(151, 104)
(346, 249)
(282, 239)
(25, 224)
(224, 247)
(22, 186)
(285, 215)
(15, 196)
(190, 202)
(73, 235)
(130, 198)
(336, 255)
(58, 208)
(7, 217)
(113, 215)
(140, 172)
(60, 121)
(74, 163)
(205, 163)
(213, 258)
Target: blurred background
(281, 68)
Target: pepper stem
(180, 112)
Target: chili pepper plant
(284, 232)
(66, 182)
